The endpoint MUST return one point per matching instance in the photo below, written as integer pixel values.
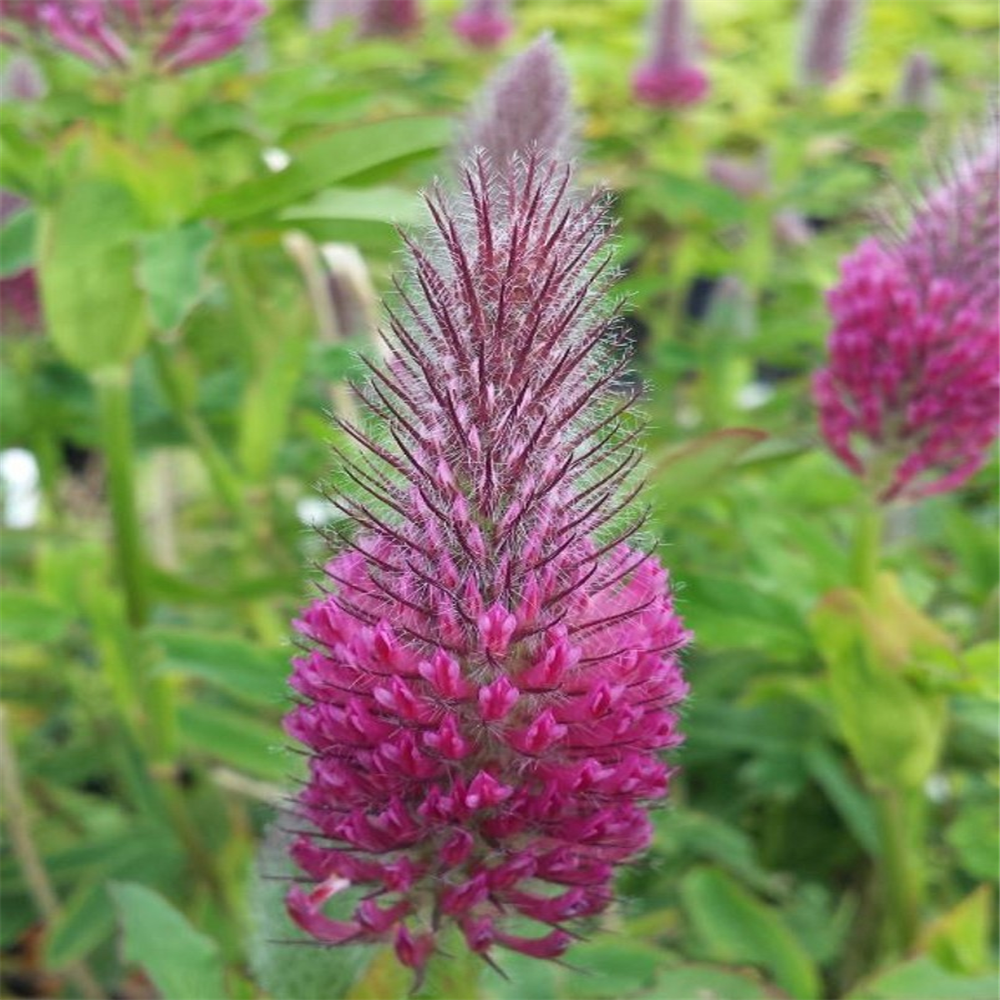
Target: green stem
(866, 557)
(899, 870)
(113, 392)
(220, 473)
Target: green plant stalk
(898, 861)
(900, 872)
(222, 477)
(113, 391)
(220, 473)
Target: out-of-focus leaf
(286, 971)
(17, 242)
(181, 961)
(236, 738)
(94, 309)
(336, 157)
(611, 968)
(959, 940)
(376, 204)
(894, 730)
(83, 923)
(682, 474)
(171, 271)
(26, 617)
(852, 804)
(975, 838)
(735, 927)
(923, 979)
(706, 982)
(238, 666)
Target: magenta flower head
(828, 28)
(525, 106)
(388, 18)
(169, 35)
(488, 686)
(909, 396)
(668, 77)
(484, 23)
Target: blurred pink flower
(916, 85)
(484, 23)
(525, 106)
(171, 35)
(909, 397)
(20, 305)
(669, 76)
(388, 17)
(488, 686)
(828, 29)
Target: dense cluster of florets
(168, 35)
(909, 399)
(490, 682)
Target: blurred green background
(210, 247)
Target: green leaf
(960, 939)
(684, 473)
(17, 242)
(923, 979)
(82, 924)
(376, 204)
(706, 982)
(237, 739)
(94, 309)
(734, 926)
(237, 666)
(26, 617)
(893, 730)
(288, 972)
(854, 807)
(612, 968)
(334, 158)
(181, 961)
(974, 836)
(171, 271)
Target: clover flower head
(669, 76)
(487, 688)
(484, 23)
(828, 29)
(908, 398)
(171, 35)
(525, 106)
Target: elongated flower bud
(669, 76)
(173, 35)
(484, 23)
(525, 106)
(828, 28)
(916, 85)
(909, 397)
(488, 686)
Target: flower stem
(116, 432)
(867, 547)
(901, 889)
(23, 845)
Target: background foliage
(142, 700)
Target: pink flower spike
(828, 28)
(172, 35)
(668, 77)
(484, 23)
(908, 400)
(490, 680)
